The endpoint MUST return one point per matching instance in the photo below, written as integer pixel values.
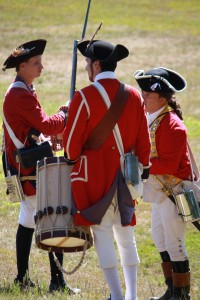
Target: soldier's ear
(97, 65)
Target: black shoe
(24, 284)
(62, 287)
(182, 293)
(180, 298)
(167, 295)
(54, 287)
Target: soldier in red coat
(27, 120)
(101, 198)
(170, 165)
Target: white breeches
(168, 230)
(27, 212)
(109, 230)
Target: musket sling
(107, 123)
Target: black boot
(23, 246)
(57, 282)
(167, 271)
(181, 280)
(181, 293)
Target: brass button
(113, 148)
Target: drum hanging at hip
(55, 230)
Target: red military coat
(95, 170)
(171, 146)
(23, 111)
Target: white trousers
(109, 230)
(27, 212)
(168, 230)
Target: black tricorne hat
(160, 80)
(103, 51)
(23, 52)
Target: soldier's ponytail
(176, 106)
(172, 102)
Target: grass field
(157, 33)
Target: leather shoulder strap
(108, 121)
(17, 84)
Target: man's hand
(145, 174)
(63, 111)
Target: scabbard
(196, 224)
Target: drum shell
(56, 232)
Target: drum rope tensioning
(76, 267)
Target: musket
(74, 61)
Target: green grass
(180, 16)
(157, 33)
(193, 126)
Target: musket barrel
(74, 67)
(86, 19)
(74, 61)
